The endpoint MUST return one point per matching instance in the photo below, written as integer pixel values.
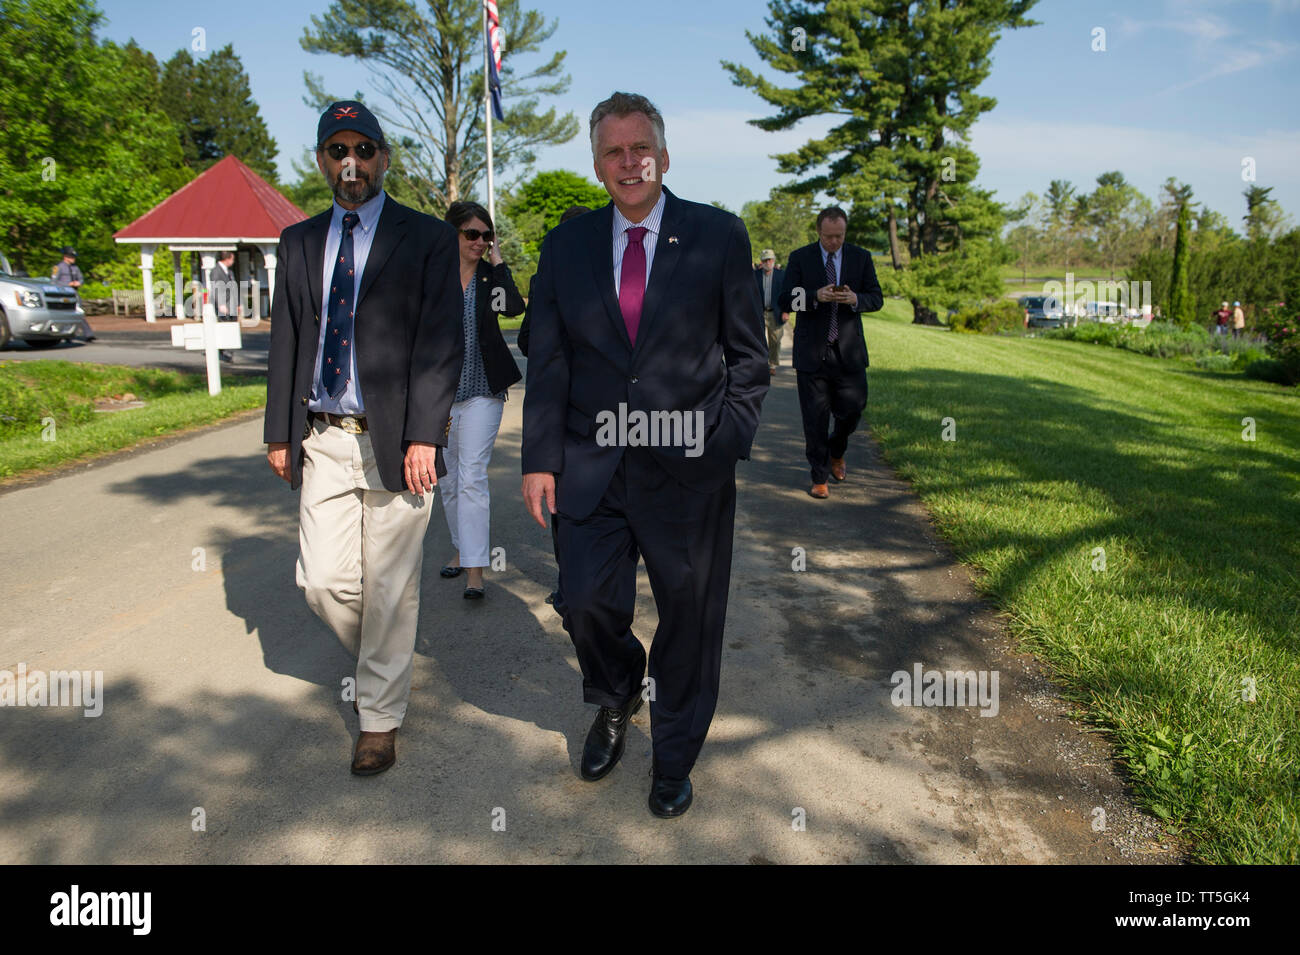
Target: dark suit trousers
(833, 389)
(686, 538)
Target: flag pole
(487, 103)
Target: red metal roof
(229, 201)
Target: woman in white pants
(486, 376)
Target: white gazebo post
(178, 285)
(146, 268)
(268, 256)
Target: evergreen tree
(902, 75)
(782, 222)
(211, 102)
(1182, 307)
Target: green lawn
(47, 415)
(1062, 448)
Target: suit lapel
(602, 267)
(313, 254)
(389, 231)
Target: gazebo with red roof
(227, 207)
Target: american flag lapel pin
(672, 240)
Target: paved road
(145, 349)
(171, 571)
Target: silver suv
(40, 313)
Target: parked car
(1042, 311)
(1107, 312)
(37, 311)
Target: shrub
(1267, 369)
(1215, 361)
(1281, 326)
(1003, 315)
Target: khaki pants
(361, 549)
(775, 332)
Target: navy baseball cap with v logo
(348, 114)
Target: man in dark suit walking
(366, 350)
(829, 284)
(646, 374)
(224, 289)
(769, 279)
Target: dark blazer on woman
(502, 372)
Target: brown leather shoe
(820, 491)
(837, 469)
(375, 752)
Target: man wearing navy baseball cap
(366, 347)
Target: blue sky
(1184, 88)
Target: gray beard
(357, 190)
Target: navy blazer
(408, 335)
(806, 270)
(778, 277)
(700, 346)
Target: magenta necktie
(631, 281)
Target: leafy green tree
(901, 77)
(1059, 202)
(309, 192)
(87, 147)
(1026, 238)
(429, 63)
(211, 102)
(782, 222)
(1182, 306)
(536, 206)
(1118, 213)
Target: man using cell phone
(830, 283)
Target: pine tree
(211, 102)
(902, 76)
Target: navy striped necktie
(336, 370)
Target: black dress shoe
(606, 739)
(670, 797)
(473, 593)
(450, 572)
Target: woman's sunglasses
(364, 150)
(474, 234)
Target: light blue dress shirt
(648, 241)
(349, 400)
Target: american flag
(494, 61)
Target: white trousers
(360, 552)
(465, 498)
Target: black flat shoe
(606, 739)
(670, 797)
(450, 571)
(473, 593)
(553, 596)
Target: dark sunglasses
(364, 150)
(474, 234)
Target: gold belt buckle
(350, 424)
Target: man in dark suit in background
(224, 289)
(829, 283)
(769, 279)
(645, 309)
(366, 348)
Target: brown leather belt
(352, 424)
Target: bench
(126, 298)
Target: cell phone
(841, 288)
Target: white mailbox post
(211, 337)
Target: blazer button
(633, 380)
(304, 399)
(317, 317)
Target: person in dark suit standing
(224, 289)
(829, 284)
(769, 279)
(646, 374)
(365, 356)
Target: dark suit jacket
(221, 282)
(409, 341)
(778, 276)
(806, 269)
(700, 346)
(502, 372)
